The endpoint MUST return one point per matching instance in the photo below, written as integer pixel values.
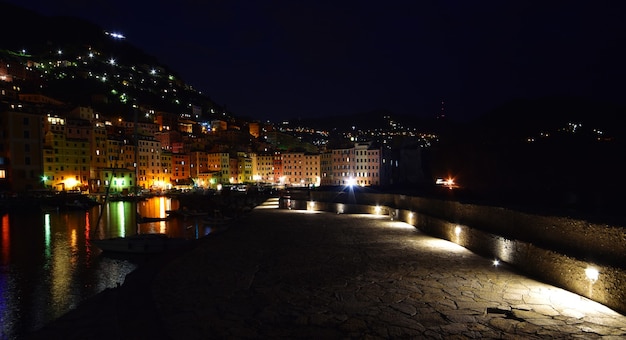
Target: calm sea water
(48, 267)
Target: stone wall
(556, 250)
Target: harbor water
(48, 266)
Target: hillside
(82, 64)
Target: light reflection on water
(48, 266)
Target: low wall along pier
(586, 258)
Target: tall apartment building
(343, 167)
(181, 169)
(326, 168)
(366, 164)
(78, 133)
(21, 165)
(54, 139)
(278, 168)
(264, 169)
(311, 170)
(219, 164)
(300, 169)
(66, 154)
(201, 173)
(233, 170)
(149, 161)
(98, 154)
(292, 169)
(115, 152)
(359, 165)
(244, 168)
(164, 180)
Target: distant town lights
(115, 35)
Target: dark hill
(44, 34)
(524, 118)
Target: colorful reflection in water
(48, 266)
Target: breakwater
(578, 255)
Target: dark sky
(288, 59)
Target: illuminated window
(3, 174)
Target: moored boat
(144, 219)
(140, 243)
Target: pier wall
(561, 251)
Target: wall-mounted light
(496, 262)
(457, 230)
(592, 274)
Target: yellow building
(219, 163)
(114, 152)
(244, 168)
(164, 178)
(66, 155)
(99, 155)
(311, 169)
(264, 168)
(149, 161)
(119, 180)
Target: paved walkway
(294, 274)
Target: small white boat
(139, 243)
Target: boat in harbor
(186, 213)
(144, 219)
(216, 220)
(140, 243)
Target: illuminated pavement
(294, 274)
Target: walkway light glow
(377, 209)
(592, 274)
(340, 209)
(457, 230)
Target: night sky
(288, 59)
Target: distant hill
(370, 120)
(30, 36)
(43, 33)
(522, 118)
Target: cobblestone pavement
(294, 274)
